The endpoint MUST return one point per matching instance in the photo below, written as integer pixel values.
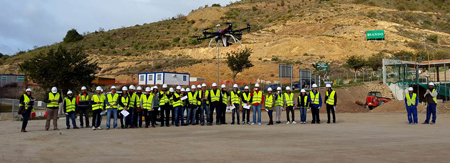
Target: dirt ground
(356, 137)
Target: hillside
(296, 31)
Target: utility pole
(364, 53)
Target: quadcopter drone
(223, 36)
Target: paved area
(356, 137)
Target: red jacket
(251, 98)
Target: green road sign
(375, 35)
(322, 66)
(20, 78)
(4, 78)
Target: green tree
(65, 69)
(376, 61)
(355, 62)
(238, 61)
(72, 36)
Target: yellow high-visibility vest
(305, 99)
(235, 97)
(330, 100)
(193, 98)
(434, 98)
(133, 99)
(215, 96)
(225, 98)
(257, 97)
(70, 104)
(289, 99)
(112, 100)
(411, 101)
(53, 97)
(269, 100)
(25, 101)
(96, 98)
(279, 101)
(176, 103)
(314, 98)
(147, 101)
(246, 96)
(164, 98)
(124, 102)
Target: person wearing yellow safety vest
(97, 103)
(26, 101)
(124, 101)
(70, 107)
(129, 120)
(224, 104)
(289, 102)
(83, 106)
(146, 103)
(204, 104)
(245, 100)
(164, 104)
(215, 99)
(315, 99)
(53, 99)
(184, 103)
(256, 100)
(137, 117)
(172, 109)
(411, 102)
(235, 97)
(279, 105)
(269, 104)
(155, 105)
(431, 98)
(303, 104)
(331, 102)
(193, 105)
(178, 107)
(112, 103)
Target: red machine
(375, 99)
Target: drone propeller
(248, 28)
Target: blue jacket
(320, 99)
(417, 101)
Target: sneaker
(93, 128)
(107, 128)
(293, 122)
(259, 124)
(287, 123)
(99, 128)
(248, 123)
(243, 122)
(232, 123)
(68, 128)
(253, 123)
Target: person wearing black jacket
(215, 99)
(331, 101)
(124, 101)
(224, 104)
(137, 117)
(303, 104)
(70, 109)
(164, 104)
(245, 99)
(53, 99)
(27, 101)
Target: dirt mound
(397, 106)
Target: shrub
(432, 38)
(215, 5)
(176, 39)
(72, 36)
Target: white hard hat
(183, 90)
(303, 91)
(193, 87)
(28, 90)
(164, 85)
(203, 85)
(83, 88)
(269, 89)
(214, 85)
(155, 87)
(148, 89)
(170, 89)
(139, 88)
(314, 86)
(178, 87)
(328, 85)
(188, 89)
(235, 86)
(410, 89)
(431, 83)
(54, 90)
(246, 87)
(256, 85)
(224, 86)
(124, 88)
(288, 88)
(69, 92)
(199, 86)
(98, 88)
(101, 89)
(132, 87)
(278, 88)
(113, 87)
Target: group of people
(132, 105)
(412, 100)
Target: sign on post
(305, 78)
(375, 35)
(322, 66)
(284, 71)
(4, 77)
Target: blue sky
(28, 23)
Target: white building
(160, 78)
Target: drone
(223, 36)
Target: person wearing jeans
(411, 101)
(112, 100)
(129, 120)
(83, 106)
(330, 101)
(192, 98)
(70, 107)
(245, 100)
(124, 101)
(269, 103)
(431, 98)
(203, 104)
(178, 107)
(303, 104)
(256, 100)
(315, 99)
(98, 104)
(235, 96)
(26, 101)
